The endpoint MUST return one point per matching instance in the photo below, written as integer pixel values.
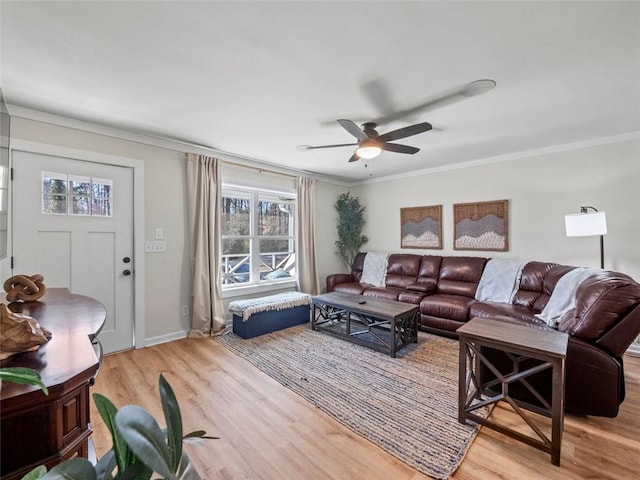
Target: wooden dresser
(38, 429)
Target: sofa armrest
(338, 278)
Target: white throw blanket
(563, 297)
(280, 301)
(500, 280)
(374, 269)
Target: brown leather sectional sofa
(604, 323)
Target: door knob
(126, 259)
(126, 273)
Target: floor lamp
(587, 224)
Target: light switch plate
(155, 246)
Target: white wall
(326, 233)
(167, 275)
(541, 189)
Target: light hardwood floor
(268, 432)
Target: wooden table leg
(462, 379)
(557, 410)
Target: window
(258, 237)
(64, 194)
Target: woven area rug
(408, 405)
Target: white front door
(78, 236)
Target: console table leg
(462, 379)
(557, 410)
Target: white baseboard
(169, 337)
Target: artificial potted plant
(139, 449)
(350, 223)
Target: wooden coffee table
(381, 324)
(519, 342)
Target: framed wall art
(481, 226)
(421, 227)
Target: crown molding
(168, 143)
(624, 137)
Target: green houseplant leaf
(197, 436)
(106, 465)
(24, 376)
(107, 411)
(140, 447)
(73, 469)
(143, 435)
(36, 474)
(173, 419)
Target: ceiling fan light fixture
(368, 149)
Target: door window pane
(101, 207)
(54, 183)
(102, 191)
(55, 204)
(80, 188)
(66, 194)
(79, 206)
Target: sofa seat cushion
(390, 293)
(355, 288)
(454, 307)
(440, 326)
(410, 297)
(495, 309)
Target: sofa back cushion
(358, 265)
(460, 275)
(601, 301)
(549, 283)
(402, 269)
(537, 283)
(531, 283)
(427, 280)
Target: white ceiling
(259, 78)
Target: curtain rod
(259, 169)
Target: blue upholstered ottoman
(258, 316)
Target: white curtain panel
(203, 205)
(306, 263)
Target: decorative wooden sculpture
(25, 288)
(20, 333)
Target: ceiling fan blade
(446, 97)
(379, 95)
(354, 158)
(431, 104)
(405, 132)
(353, 129)
(395, 147)
(304, 148)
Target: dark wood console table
(519, 342)
(39, 429)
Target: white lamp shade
(586, 224)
